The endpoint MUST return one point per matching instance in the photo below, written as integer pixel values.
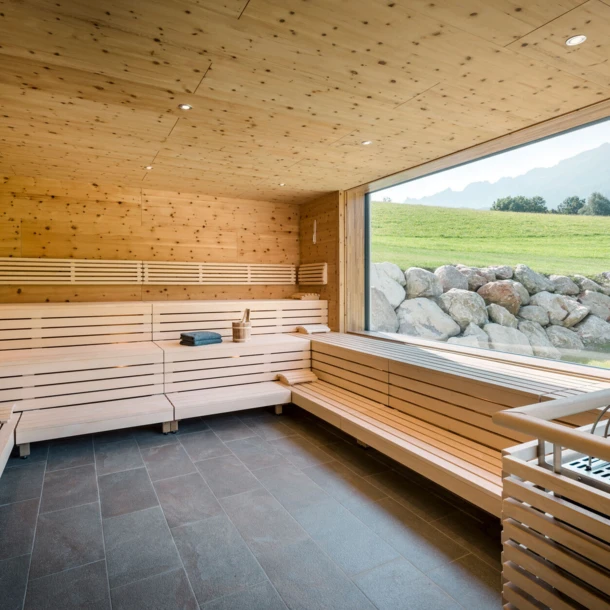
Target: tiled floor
(236, 512)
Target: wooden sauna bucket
(242, 330)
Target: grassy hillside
(425, 236)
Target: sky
(546, 153)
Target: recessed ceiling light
(148, 167)
(367, 142)
(282, 184)
(576, 40)
(184, 106)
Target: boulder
(563, 338)
(506, 339)
(383, 316)
(421, 317)
(576, 312)
(464, 307)
(470, 341)
(533, 282)
(449, 277)
(584, 283)
(539, 340)
(393, 271)
(472, 330)
(598, 303)
(503, 272)
(523, 293)
(392, 289)
(534, 313)
(594, 332)
(501, 315)
(422, 283)
(502, 292)
(475, 279)
(488, 274)
(554, 304)
(564, 285)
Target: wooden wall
(63, 219)
(326, 211)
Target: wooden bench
(8, 423)
(428, 412)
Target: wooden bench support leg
(173, 426)
(24, 450)
(167, 427)
(279, 409)
(362, 444)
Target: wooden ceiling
(283, 91)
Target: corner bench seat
(469, 469)
(8, 423)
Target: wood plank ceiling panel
(284, 92)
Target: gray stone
(424, 318)
(521, 291)
(393, 271)
(450, 277)
(576, 312)
(533, 282)
(504, 293)
(584, 283)
(506, 339)
(488, 273)
(503, 272)
(564, 338)
(392, 289)
(464, 307)
(501, 315)
(470, 341)
(539, 340)
(475, 279)
(422, 283)
(534, 313)
(598, 303)
(594, 332)
(554, 304)
(564, 285)
(383, 316)
(472, 330)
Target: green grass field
(425, 236)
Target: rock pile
(510, 309)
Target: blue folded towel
(200, 335)
(197, 343)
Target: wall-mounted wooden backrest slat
(312, 274)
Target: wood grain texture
(45, 218)
(283, 91)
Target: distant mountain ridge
(580, 175)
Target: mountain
(579, 175)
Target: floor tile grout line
(99, 495)
(58, 510)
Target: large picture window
(508, 253)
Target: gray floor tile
(415, 539)
(475, 584)
(17, 530)
(291, 486)
(356, 458)
(167, 461)
(193, 424)
(203, 445)
(311, 430)
(168, 591)
(70, 487)
(67, 539)
(216, 558)
(186, 499)
(301, 452)
(267, 426)
(400, 585)
(227, 476)
(257, 597)
(345, 539)
(24, 483)
(38, 453)
(229, 427)
(70, 452)
(138, 545)
(152, 436)
(344, 485)
(256, 453)
(75, 589)
(417, 499)
(117, 456)
(262, 521)
(112, 436)
(307, 579)
(125, 492)
(13, 579)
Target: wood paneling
(283, 91)
(354, 256)
(325, 211)
(42, 218)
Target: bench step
(195, 403)
(60, 422)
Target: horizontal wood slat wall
(42, 218)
